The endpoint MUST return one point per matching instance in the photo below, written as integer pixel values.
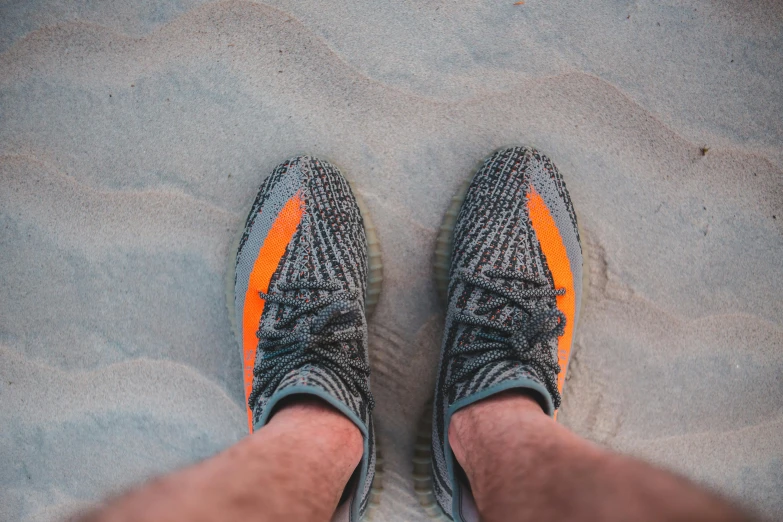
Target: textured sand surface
(133, 137)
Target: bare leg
(294, 468)
(522, 465)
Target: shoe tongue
(320, 381)
(495, 375)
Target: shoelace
(318, 341)
(527, 339)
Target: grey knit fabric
(312, 336)
(502, 323)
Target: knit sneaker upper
(300, 299)
(513, 296)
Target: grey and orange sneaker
(301, 299)
(514, 265)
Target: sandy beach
(133, 138)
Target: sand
(133, 137)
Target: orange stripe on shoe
(557, 259)
(266, 263)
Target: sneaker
(514, 264)
(301, 297)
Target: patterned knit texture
(496, 254)
(325, 263)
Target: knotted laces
(525, 341)
(330, 338)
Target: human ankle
(486, 415)
(307, 433)
(478, 434)
(313, 418)
(319, 434)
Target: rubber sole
(422, 468)
(444, 242)
(372, 295)
(374, 258)
(422, 458)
